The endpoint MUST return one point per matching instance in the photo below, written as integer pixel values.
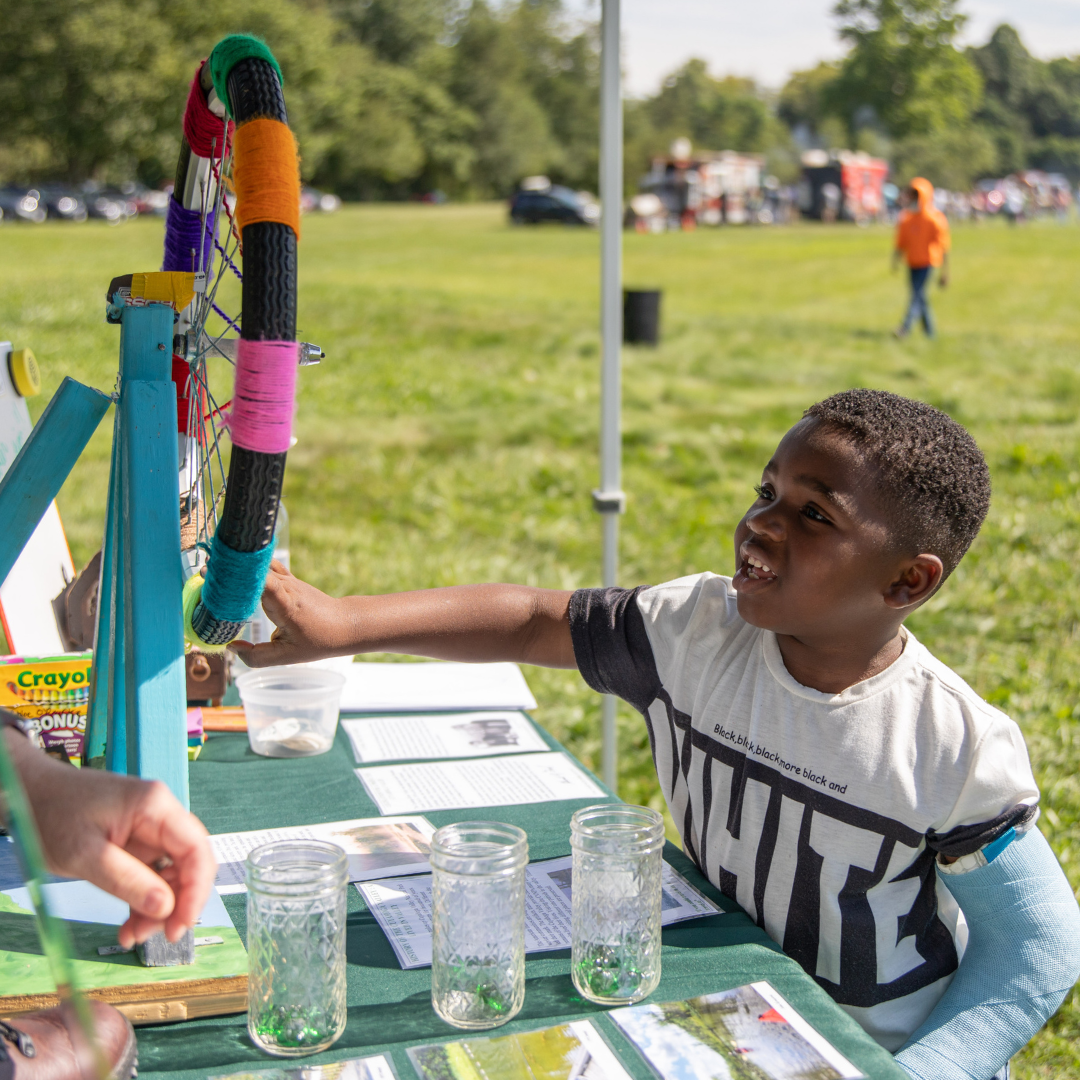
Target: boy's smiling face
(815, 556)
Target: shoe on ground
(38, 1046)
(900, 333)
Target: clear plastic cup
(291, 711)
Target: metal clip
(609, 502)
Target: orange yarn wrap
(266, 174)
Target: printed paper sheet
(574, 1051)
(375, 847)
(441, 735)
(455, 785)
(434, 686)
(378, 1067)
(402, 907)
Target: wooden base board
(152, 1003)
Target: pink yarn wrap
(262, 406)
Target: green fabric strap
(228, 52)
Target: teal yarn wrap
(234, 581)
(228, 52)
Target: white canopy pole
(609, 499)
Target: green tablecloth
(233, 789)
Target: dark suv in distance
(531, 207)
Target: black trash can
(641, 316)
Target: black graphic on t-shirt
(823, 872)
(858, 984)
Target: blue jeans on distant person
(919, 308)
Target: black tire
(253, 491)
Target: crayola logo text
(59, 679)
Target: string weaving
(228, 52)
(202, 129)
(266, 174)
(261, 417)
(183, 229)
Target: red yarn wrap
(201, 126)
(180, 373)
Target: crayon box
(53, 692)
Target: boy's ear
(916, 582)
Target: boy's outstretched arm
(466, 622)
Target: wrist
(351, 620)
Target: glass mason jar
(478, 917)
(618, 855)
(296, 906)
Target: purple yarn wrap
(182, 229)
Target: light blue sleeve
(1022, 958)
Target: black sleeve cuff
(966, 839)
(611, 645)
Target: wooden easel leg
(105, 731)
(151, 577)
(43, 464)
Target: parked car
(63, 204)
(535, 203)
(22, 204)
(108, 204)
(312, 200)
(152, 201)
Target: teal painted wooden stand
(137, 716)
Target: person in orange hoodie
(922, 237)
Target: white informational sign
(15, 422)
(459, 785)
(434, 686)
(40, 574)
(44, 568)
(442, 735)
(375, 847)
(402, 907)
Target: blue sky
(767, 39)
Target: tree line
(907, 92)
(392, 98)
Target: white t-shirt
(820, 814)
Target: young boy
(847, 789)
(922, 237)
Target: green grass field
(451, 434)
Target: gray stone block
(158, 951)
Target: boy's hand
(309, 624)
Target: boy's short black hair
(931, 474)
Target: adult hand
(309, 623)
(943, 280)
(130, 837)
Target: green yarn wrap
(191, 596)
(228, 52)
